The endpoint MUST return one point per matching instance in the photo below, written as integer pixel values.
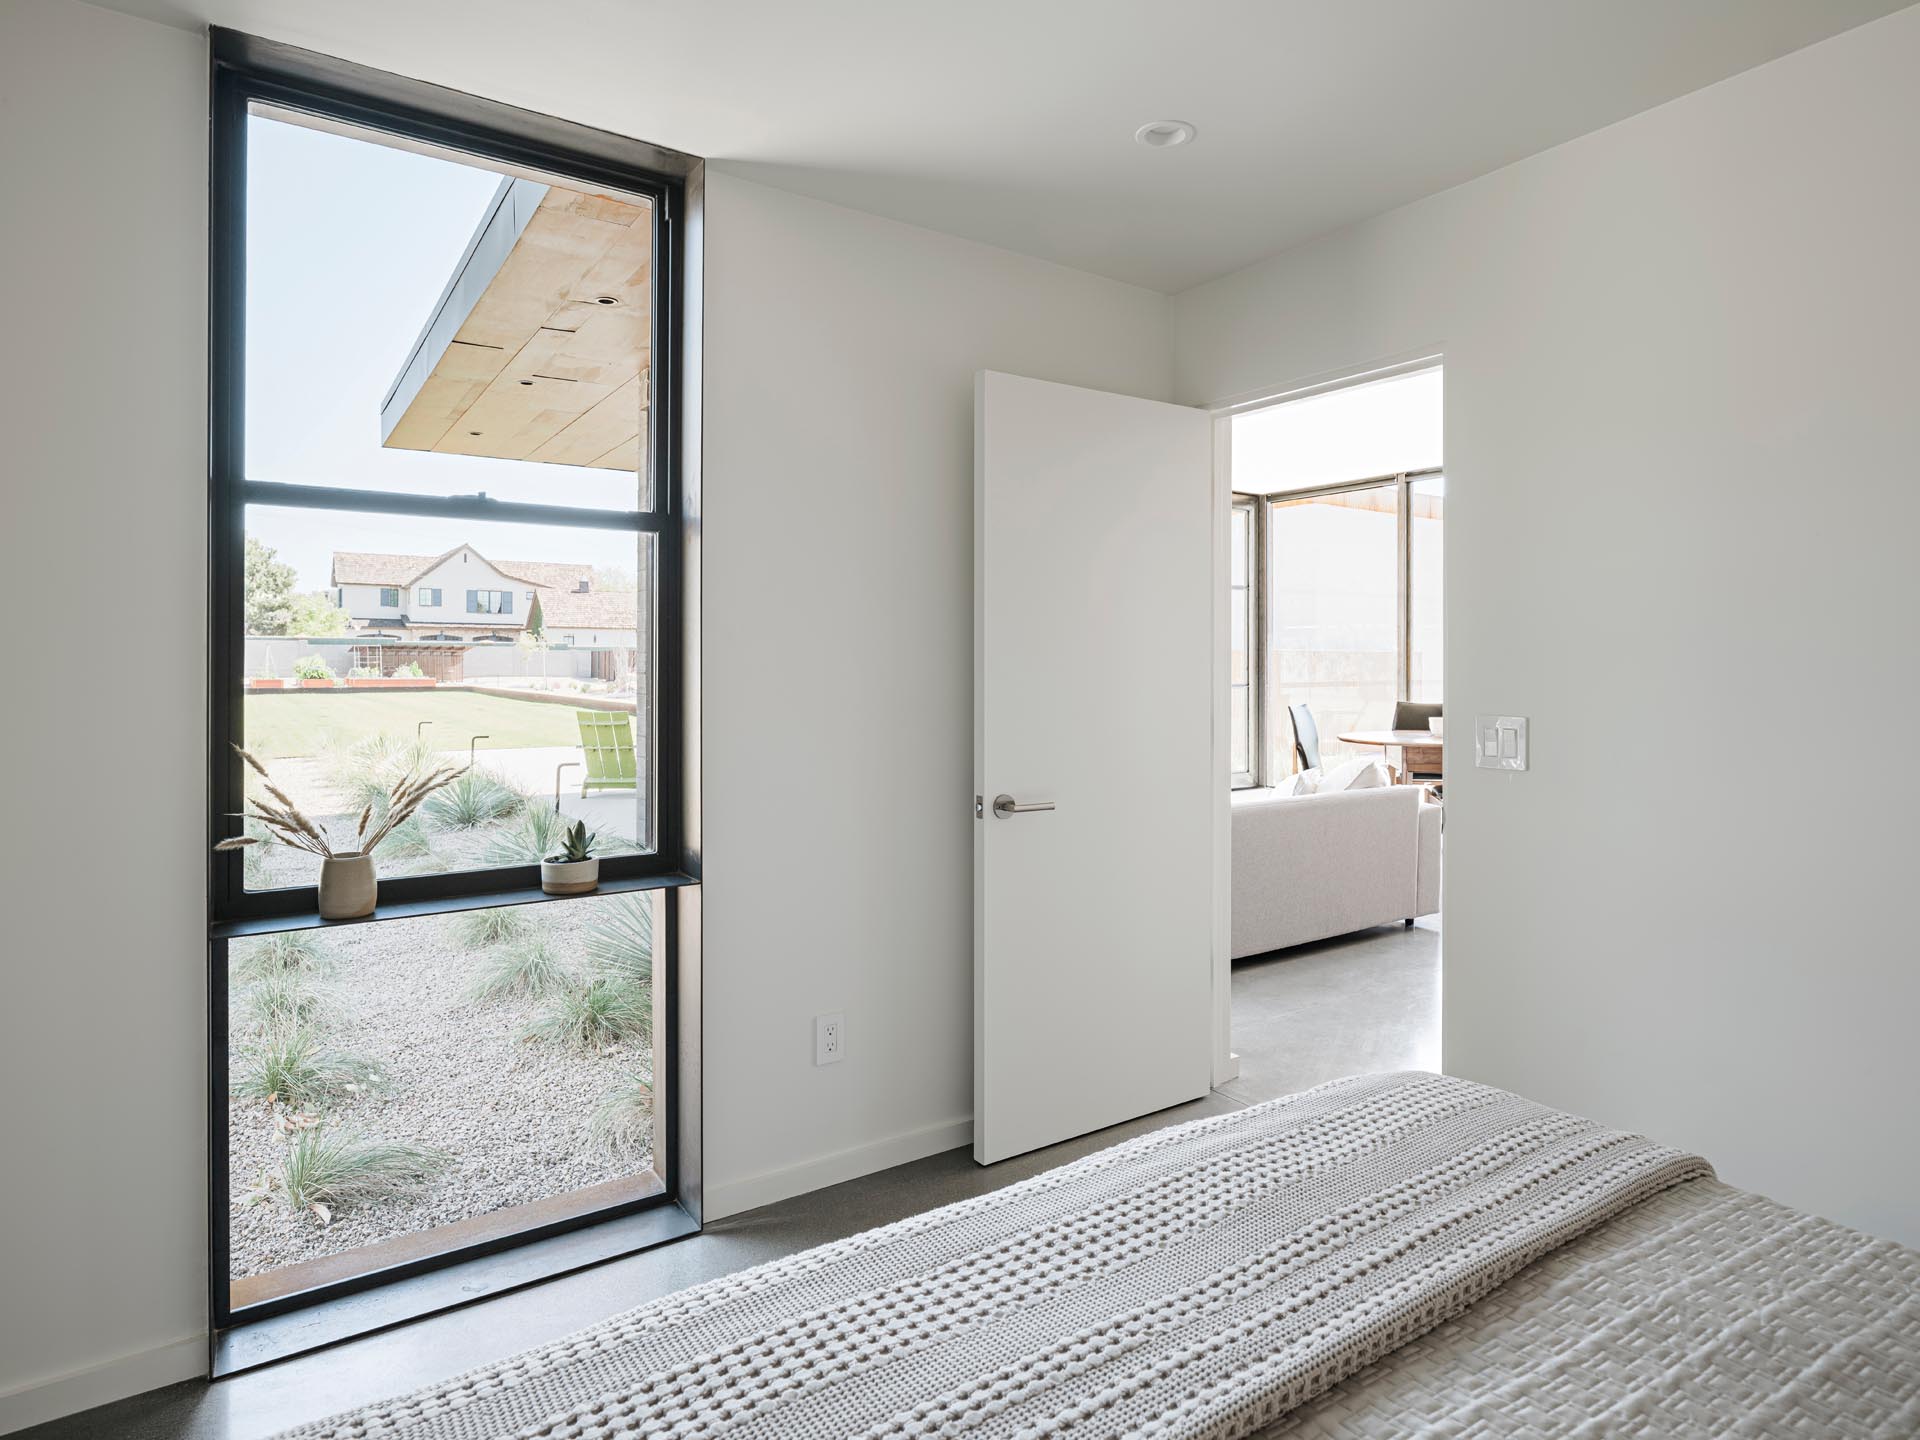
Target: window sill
(441, 905)
(249, 1344)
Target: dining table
(1419, 750)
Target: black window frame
(247, 72)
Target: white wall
(103, 406)
(840, 351)
(1681, 516)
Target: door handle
(1006, 805)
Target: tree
(536, 619)
(269, 590)
(314, 613)
(613, 579)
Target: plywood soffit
(539, 347)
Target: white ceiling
(1011, 121)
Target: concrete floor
(1363, 1002)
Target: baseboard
(38, 1401)
(733, 1196)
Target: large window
(443, 372)
(1242, 691)
(1343, 495)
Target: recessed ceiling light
(605, 300)
(1163, 134)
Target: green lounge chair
(607, 738)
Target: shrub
(364, 672)
(312, 667)
(475, 799)
(409, 671)
(622, 1120)
(528, 968)
(291, 1064)
(619, 939)
(285, 1000)
(326, 1168)
(595, 1017)
(477, 929)
(256, 957)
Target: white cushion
(1305, 782)
(1353, 775)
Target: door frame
(1226, 1063)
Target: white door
(1093, 669)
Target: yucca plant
(622, 1119)
(326, 1169)
(527, 968)
(475, 799)
(529, 840)
(255, 957)
(292, 1065)
(595, 1017)
(619, 938)
(477, 929)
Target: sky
(349, 245)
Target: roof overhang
(538, 349)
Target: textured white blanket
(1199, 1281)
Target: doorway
(1335, 508)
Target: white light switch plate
(1500, 742)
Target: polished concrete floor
(1363, 1002)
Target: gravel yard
(511, 1114)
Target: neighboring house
(462, 596)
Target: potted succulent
(574, 869)
(348, 888)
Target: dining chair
(1306, 736)
(1413, 715)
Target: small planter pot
(347, 887)
(316, 684)
(260, 683)
(570, 877)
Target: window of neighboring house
(1343, 493)
(357, 221)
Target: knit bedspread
(1199, 1281)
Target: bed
(1387, 1256)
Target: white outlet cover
(829, 1039)
(1500, 742)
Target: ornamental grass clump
(600, 1015)
(528, 968)
(622, 1119)
(291, 1065)
(325, 1169)
(477, 929)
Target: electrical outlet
(829, 1039)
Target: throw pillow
(1353, 775)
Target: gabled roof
(601, 610)
(364, 567)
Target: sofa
(1307, 866)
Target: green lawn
(297, 723)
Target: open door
(1093, 760)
